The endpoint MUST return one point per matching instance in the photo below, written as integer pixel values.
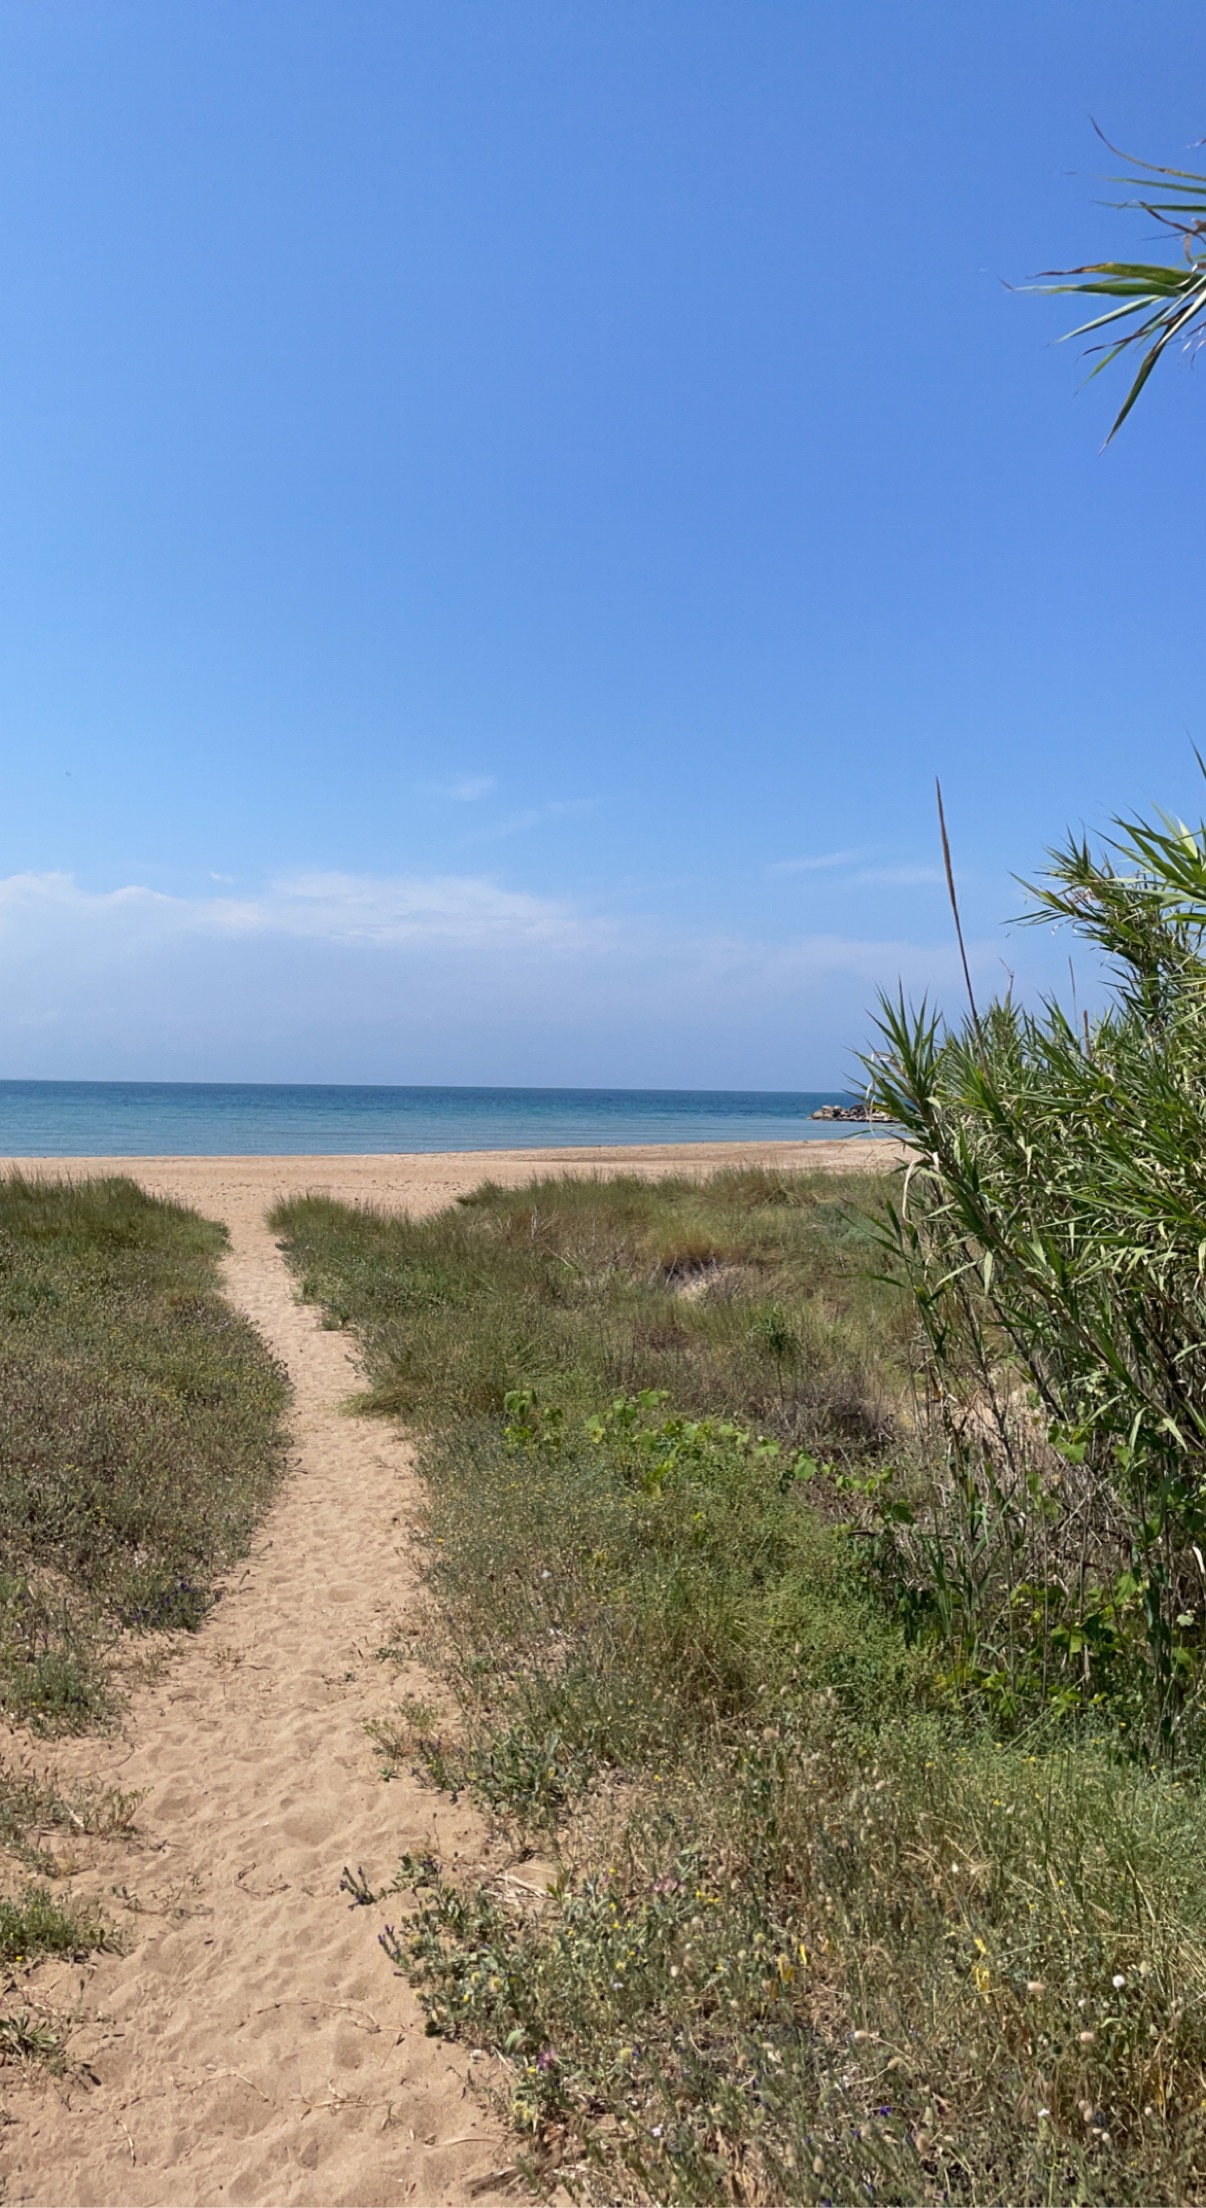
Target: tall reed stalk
(1052, 1225)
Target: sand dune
(251, 2044)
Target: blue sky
(506, 506)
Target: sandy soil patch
(251, 2044)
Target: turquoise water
(132, 1119)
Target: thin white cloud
(888, 877)
(532, 816)
(60, 893)
(468, 910)
(813, 865)
(435, 977)
(467, 789)
(461, 911)
(898, 877)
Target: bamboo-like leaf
(1053, 1224)
(1170, 297)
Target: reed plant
(1052, 1229)
(1152, 309)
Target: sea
(138, 1119)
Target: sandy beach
(241, 1189)
(249, 2042)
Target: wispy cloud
(899, 877)
(887, 877)
(814, 864)
(467, 789)
(532, 816)
(23, 896)
(433, 977)
(467, 910)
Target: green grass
(140, 1438)
(140, 1435)
(815, 1934)
(35, 1924)
(743, 1296)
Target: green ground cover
(140, 1438)
(140, 1434)
(819, 1931)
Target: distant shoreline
(272, 1119)
(788, 1147)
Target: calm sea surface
(135, 1119)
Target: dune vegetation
(1052, 1232)
(140, 1434)
(140, 1437)
(816, 1582)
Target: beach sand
(250, 2044)
(240, 1189)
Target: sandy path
(252, 2045)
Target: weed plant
(35, 1924)
(32, 1807)
(140, 1434)
(816, 1932)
